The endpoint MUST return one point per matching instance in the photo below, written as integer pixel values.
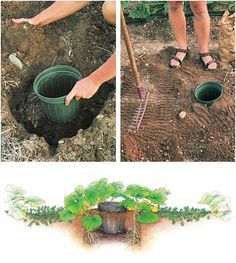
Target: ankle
(184, 46)
(204, 50)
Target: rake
(143, 95)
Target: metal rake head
(139, 113)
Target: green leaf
(159, 196)
(15, 189)
(79, 190)
(98, 190)
(74, 204)
(145, 207)
(105, 191)
(215, 204)
(66, 215)
(207, 198)
(219, 204)
(91, 196)
(15, 193)
(14, 198)
(118, 190)
(147, 218)
(225, 216)
(125, 4)
(118, 186)
(128, 203)
(137, 191)
(17, 212)
(92, 191)
(91, 223)
(34, 201)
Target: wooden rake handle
(130, 50)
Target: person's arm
(87, 87)
(56, 11)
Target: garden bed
(84, 41)
(97, 215)
(206, 133)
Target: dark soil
(83, 40)
(205, 134)
(26, 108)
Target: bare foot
(175, 63)
(206, 59)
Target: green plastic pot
(51, 86)
(208, 92)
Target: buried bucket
(51, 86)
(208, 92)
(113, 216)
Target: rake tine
(139, 113)
(142, 95)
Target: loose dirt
(83, 40)
(206, 133)
(75, 230)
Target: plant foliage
(83, 200)
(218, 204)
(44, 215)
(145, 9)
(146, 204)
(183, 215)
(30, 208)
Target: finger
(69, 97)
(19, 20)
(77, 97)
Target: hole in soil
(26, 108)
(209, 94)
(57, 87)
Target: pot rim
(109, 206)
(200, 86)
(58, 69)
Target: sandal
(206, 65)
(181, 50)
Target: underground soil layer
(83, 40)
(147, 231)
(207, 133)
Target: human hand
(84, 88)
(31, 21)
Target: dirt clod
(182, 114)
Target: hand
(24, 20)
(84, 88)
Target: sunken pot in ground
(51, 86)
(113, 216)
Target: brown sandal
(181, 50)
(206, 65)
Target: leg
(178, 24)
(109, 11)
(202, 28)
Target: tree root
(134, 235)
(89, 238)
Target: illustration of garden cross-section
(106, 209)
